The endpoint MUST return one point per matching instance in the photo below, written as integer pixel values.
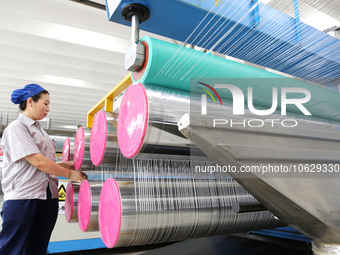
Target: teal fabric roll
(180, 68)
(173, 66)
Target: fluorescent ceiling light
(87, 38)
(319, 20)
(63, 81)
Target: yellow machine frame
(107, 101)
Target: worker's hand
(68, 165)
(78, 176)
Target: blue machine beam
(277, 40)
(297, 19)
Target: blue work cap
(30, 90)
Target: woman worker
(30, 177)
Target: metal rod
(135, 28)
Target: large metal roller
(88, 200)
(144, 212)
(71, 202)
(148, 118)
(147, 121)
(81, 154)
(67, 149)
(172, 66)
(103, 141)
(155, 166)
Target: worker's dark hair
(35, 98)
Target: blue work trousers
(27, 225)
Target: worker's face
(40, 108)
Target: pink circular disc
(98, 138)
(79, 148)
(132, 120)
(66, 150)
(69, 202)
(84, 205)
(110, 212)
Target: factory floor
(243, 244)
